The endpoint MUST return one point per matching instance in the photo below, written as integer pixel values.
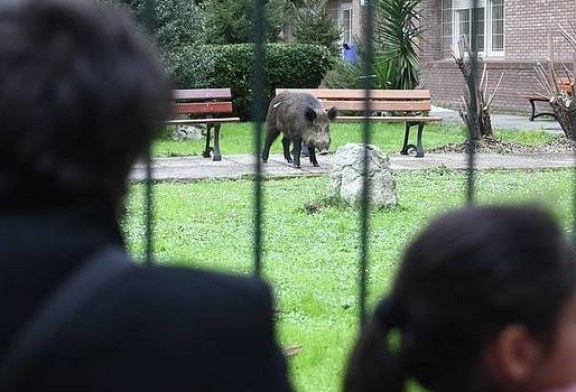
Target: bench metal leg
(533, 116)
(536, 115)
(217, 155)
(418, 147)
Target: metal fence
(258, 114)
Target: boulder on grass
(346, 176)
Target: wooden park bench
(400, 106)
(533, 98)
(563, 84)
(211, 106)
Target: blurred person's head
(484, 300)
(81, 95)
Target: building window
(347, 25)
(342, 13)
(459, 18)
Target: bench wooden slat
(390, 119)
(534, 97)
(205, 120)
(387, 106)
(202, 94)
(358, 94)
(201, 107)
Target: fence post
(150, 21)
(472, 122)
(368, 71)
(258, 115)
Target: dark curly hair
(81, 96)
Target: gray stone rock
(346, 176)
(188, 132)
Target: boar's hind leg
(297, 142)
(312, 152)
(271, 135)
(286, 148)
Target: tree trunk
(483, 127)
(566, 117)
(486, 124)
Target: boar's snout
(319, 139)
(323, 142)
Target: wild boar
(300, 117)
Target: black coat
(153, 329)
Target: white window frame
(458, 5)
(338, 10)
(347, 31)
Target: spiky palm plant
(396, 32)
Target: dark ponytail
(375, 364)
(465, 277)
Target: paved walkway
(239, 166)
(508, 121)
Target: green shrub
(191, 66)
(180, 28)
(343, 75)
(230, 21)
(178, 22)
(297, 65)
(293, 66)
(315, 25)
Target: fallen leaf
(293, 350)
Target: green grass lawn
(237, 138)
(311, 260)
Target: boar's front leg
(312, 153)
(286, 148)
(297, 142)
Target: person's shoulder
(176, 326)
(171, 289)
(174, 280)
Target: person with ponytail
(484, 300)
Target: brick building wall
(528, 24)
(526, 30)
(431, 23)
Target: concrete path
(239, 166)
(507, 121)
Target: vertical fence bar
(149, 209)
(368, 68)
(258, 118)
(472, 122)
(472, 116)
(150, 18)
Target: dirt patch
(492, 145)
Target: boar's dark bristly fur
(300, 117)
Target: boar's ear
(310, 114)
(332, 113)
